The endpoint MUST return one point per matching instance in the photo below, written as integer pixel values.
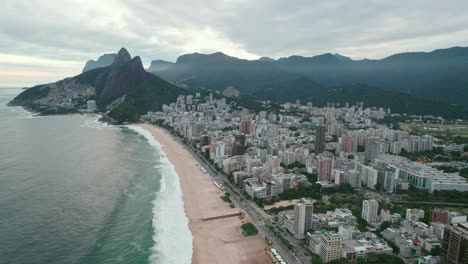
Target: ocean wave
(92, 121)
(23, 113)
(172, 237)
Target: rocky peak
(125, 74)
(160, 65)
(136, 64)
(123, 56)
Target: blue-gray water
(76, 191)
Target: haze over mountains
(102, 61)
(440, 75)
(414, 83)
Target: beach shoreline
(214, 241)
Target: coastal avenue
(256, 215)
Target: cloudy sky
(43, 41)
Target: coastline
(168, 215)
(214, 241)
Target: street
(256, 215)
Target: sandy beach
(214, 241)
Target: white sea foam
(92, 121)
(172, 237)
(23, 113)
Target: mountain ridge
(103, 61)
(123, 90)
(440, 75)
(319, 95)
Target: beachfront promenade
(218, 240)
(256, 215)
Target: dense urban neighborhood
(336, 184)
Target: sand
(281, 203)
(214, 241)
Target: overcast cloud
(43, 41)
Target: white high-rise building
(91, 105)
(372, 176)
(303, 211)
(309, 211)
(369, 210)
(299, 220)
(220, 149)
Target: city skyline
(140, 131)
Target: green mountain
(267, 59)
(308, 90)
(440, 75)
(124, 90)
(218, 71)
(160, 65)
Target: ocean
(73, 190)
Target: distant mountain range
(160, 65)
(440, 75)
(320, 95)
(414, 83)
(123, 89)
(102, 61)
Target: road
(434, 203)
(256, 215)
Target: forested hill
(440, 75)
(124, 90)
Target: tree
(436, 251)
(207, 154)
(396, 249)
(447, 169)
(385, 225)
(464, 172)
(311, 177)
(403, 152)
(346, 188)
(339, 261)
(362, 223)
(316, 260)
(438, 150)
(296, 164)
(361, 260)
(374, 258)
